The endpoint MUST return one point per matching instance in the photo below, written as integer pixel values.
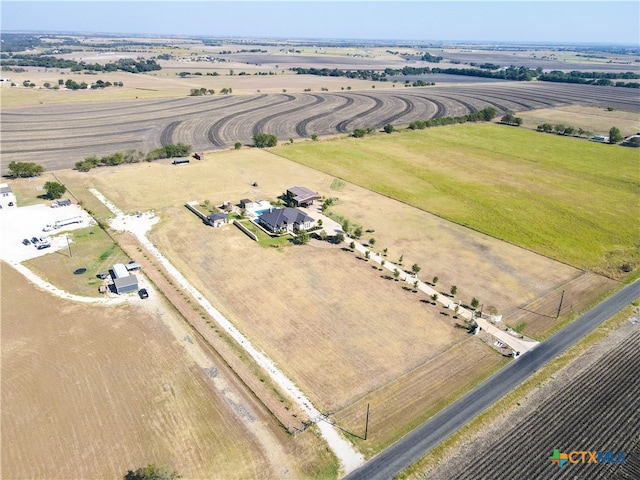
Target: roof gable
(303, 193)
(218, 216)
(279, 217)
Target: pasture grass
(565, 198)
(91, 248)
(591, 119)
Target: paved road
(414, 445)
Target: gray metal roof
(126, 284)
(303, 194)
(279, 217)
(5, 189)
(218, 216)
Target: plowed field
(597, 409)
(57, 136)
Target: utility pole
(560, 306)
(366, 425)
(68, 244)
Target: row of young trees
(615, 136)
(73, 85)
(511, 119)
(356, 232)
(134, 156)
(485, 115)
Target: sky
(542, 21)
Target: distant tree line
(509, 73)
(125, 64)
(374, 75)
(592, 78)
(488, 66)
(19, 42)
(485, 70)
(73, 85)
(197, 92)
(485, 115)
(134, 156)
(244, 50)
(427, 57)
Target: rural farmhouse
(280, 220)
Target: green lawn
(265, 240)
(570, 199)
(92, 249)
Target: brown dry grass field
(92, 391)
(328, 319)
(595, 120)
(402, 405)
(501, 275)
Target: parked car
(143, 293)
(34, 240)
(43, 245)
(26, 242)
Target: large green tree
(54, 189)
(25, 169)
(303, 237)
(614, 135)
(262, 140)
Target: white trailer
(67, 221)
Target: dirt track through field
(65, 134)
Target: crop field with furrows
(598, 409)
(60, 135)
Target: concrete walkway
(331, 227)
